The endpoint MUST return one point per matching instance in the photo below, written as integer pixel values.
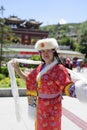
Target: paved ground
(74, 113)
(83, 72)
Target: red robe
(50, 81)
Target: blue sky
(47, 11)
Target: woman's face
(47, 56)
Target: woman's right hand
(18, 70)
(15, 64)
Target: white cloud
(62, 21)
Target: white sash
(14, 87)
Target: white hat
(48, 43)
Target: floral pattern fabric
(49, 111)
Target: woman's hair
(56, 56)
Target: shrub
(2, 76)
(36, 58)
(5, 83)
(4, 70)
(20, 82)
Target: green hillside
(73, 34)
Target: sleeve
(70, 90)
(31, 84)
(81, 90)
(67, 85)
(76, 89)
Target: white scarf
(14, 87)
(43, 71)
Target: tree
(5, 37)
(83, 38)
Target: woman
(68, 63)
(48, 82)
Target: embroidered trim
(67, 89)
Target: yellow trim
(33, 93)
(39, 82)
(36, 122)
(67, 89)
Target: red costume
(48, 84)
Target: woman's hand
(15, 65)
(18, 70)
